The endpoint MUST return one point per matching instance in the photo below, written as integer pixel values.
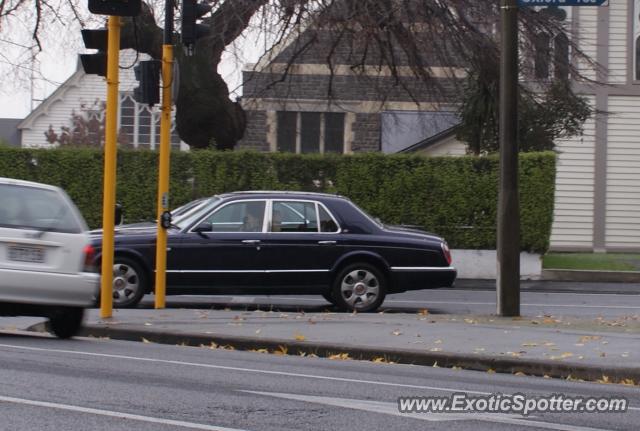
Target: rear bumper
(417, 278)
(49, 288)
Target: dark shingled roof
(9, 132)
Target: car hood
(143, 228)
(411, 231)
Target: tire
(359, 277)
(130, 282)
(66, 322)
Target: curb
(591, 276)
(535, 367)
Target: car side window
(327, 224)
(294, 216)
(246, 216)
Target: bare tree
(427, 47)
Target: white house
(84, 93)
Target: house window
(140, 124)
(551, 51)
(310, 132)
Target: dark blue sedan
(280, 243)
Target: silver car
(45, 257)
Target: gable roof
(432, 140)
(57, 95)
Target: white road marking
(119, 415)
(253, 370)
(392, 409)
(246, 370)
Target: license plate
(21, 253)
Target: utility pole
(110, 144)
(164, 216)
(508, 245)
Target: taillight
(446, 252)
(89, 256)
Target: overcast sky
(15, 98)
(58, 60)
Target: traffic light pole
(508, 245)
(109, 187)
(165, 151)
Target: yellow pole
(163, 174)
(109, 191)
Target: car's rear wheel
(129, 282)
(66, 322)
(359, 287)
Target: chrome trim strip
(422, 268)
(239, 271)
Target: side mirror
(119, 215)
(203, 227)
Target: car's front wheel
(66, 322)
(359, 287)
(329, 298)
(129, 282)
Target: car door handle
(251, 241)
(327, 242)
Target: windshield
(26, 207)
(187, 213)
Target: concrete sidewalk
(538, 345)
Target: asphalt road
(87, 384)
(560, 302)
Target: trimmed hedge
(452, 196)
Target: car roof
(270, 194)
(15, 182)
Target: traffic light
(148, 74)
(95, 64)
(191, 30)
(115, 7)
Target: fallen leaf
(144, 340)
(282, 350)
(604, 379)
(396, 332)
(340, 356)
(435, 349)
(258, 331)
(491, 371)
(423, 312)
(148, 324)
(519, 374)
(456, 368)
(300, 337)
